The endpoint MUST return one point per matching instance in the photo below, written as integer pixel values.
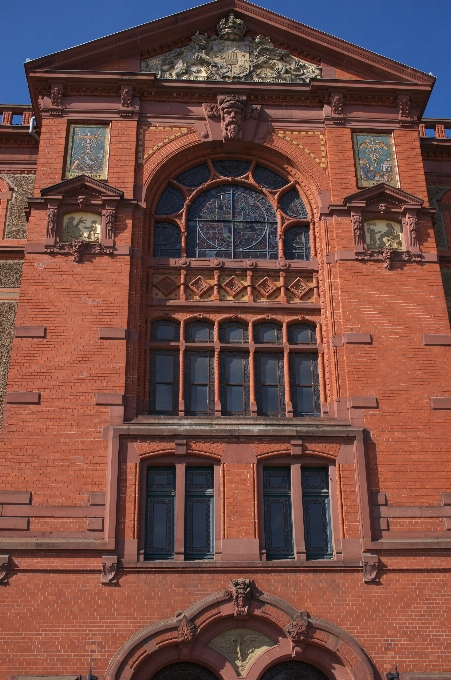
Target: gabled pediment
(382, 194)
(82, 185)
(265, 33)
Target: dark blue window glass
(171, 202)
(235, 383)
(194, 177)
(297, 243)
(305, 394)
(316, 503)
(199, 499)
(277, 512)
(234, 332)
(232, 222)
(302, 334)
(164, 383)
(231, 168)
(165, 331)
(268, 178)
(293, 205)
(270, 384)
(268, 333)
(167, 240)
(160, 498)
(199, 383)
(199, 331)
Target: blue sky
(412, 32)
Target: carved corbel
(336, 107)
(242, 592)
(126, 97)
(404, 110)
(56, 99)
(370, 565)
(4, 569)
(109, 570)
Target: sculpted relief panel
(241, 647)
(231, 56)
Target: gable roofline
(177, 27)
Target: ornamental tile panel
(299, 288)
(199, 286)
(166, 285)
(266, 287)
(233, 286)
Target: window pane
(267, 334)
(199, 398)
(304, 396)
(171, 201)
(167, 240)
(199, 333)
(269, 370)
(160, 479)
(276, 507)
(235, 398)
(199, 479)
(297, 243)
(165, 331)
(276, 479)
(314, 480)
(303, 371)
(199, 369)
(278, 527)
(302, 335)
(163, 397)
(316, 526)
(293, 205)
(270, 399)
(199, 523)
(234, 369)
(233, 334)
(160, 526)
(164, 368)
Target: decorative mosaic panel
(81, 226)
(374, 159)
(383, 234)
(16, 221)
(87, 153)
(7, 317)
(10, 273)
(435, 193)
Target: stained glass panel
(232, 222)
(297, 243)
(293, 205)
(231, 168)
(268, 178)
(171, 202)
(167, 240)
(194, 177)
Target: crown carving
(231, 28)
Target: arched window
(233, 332)
(199, 331)
(302, 334)
(232, 222)
(294, 670)
(268, 333)
(165, 330)
(184, 671)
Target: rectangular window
(160, 499)
(235, 383)
(199, 383)
(305, 384)
(164, 383)
(270, 384)
(316, 503)
(199, 513)
(277, 512)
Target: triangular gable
(382, 193)
(82, 184)
(124, 51)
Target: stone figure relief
(231, 56)
(241, 647)
(232, 111)
(81, 226)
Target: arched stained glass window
(194, 177)
(232, 222)
(166, 242)
(297, 243)
(293, 205)
(171, 202)
(268, 178)
(231, 168)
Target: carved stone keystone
(296, 630)
(242, 592)
(186, 630)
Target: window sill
(220, 565)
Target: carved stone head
(232, 110)
(242, 596)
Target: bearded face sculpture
(232, 121)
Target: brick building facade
(225, 266)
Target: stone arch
(280, 633)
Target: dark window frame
(207, 497)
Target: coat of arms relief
(231, 56)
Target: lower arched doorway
(293, 670)
(184, 671)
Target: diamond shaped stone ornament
(166, 285)
(199, 286)
(233, 286)
(266, 287)
(299, 288)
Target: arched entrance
(293, 670)
(184, 671)
(241, 633)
